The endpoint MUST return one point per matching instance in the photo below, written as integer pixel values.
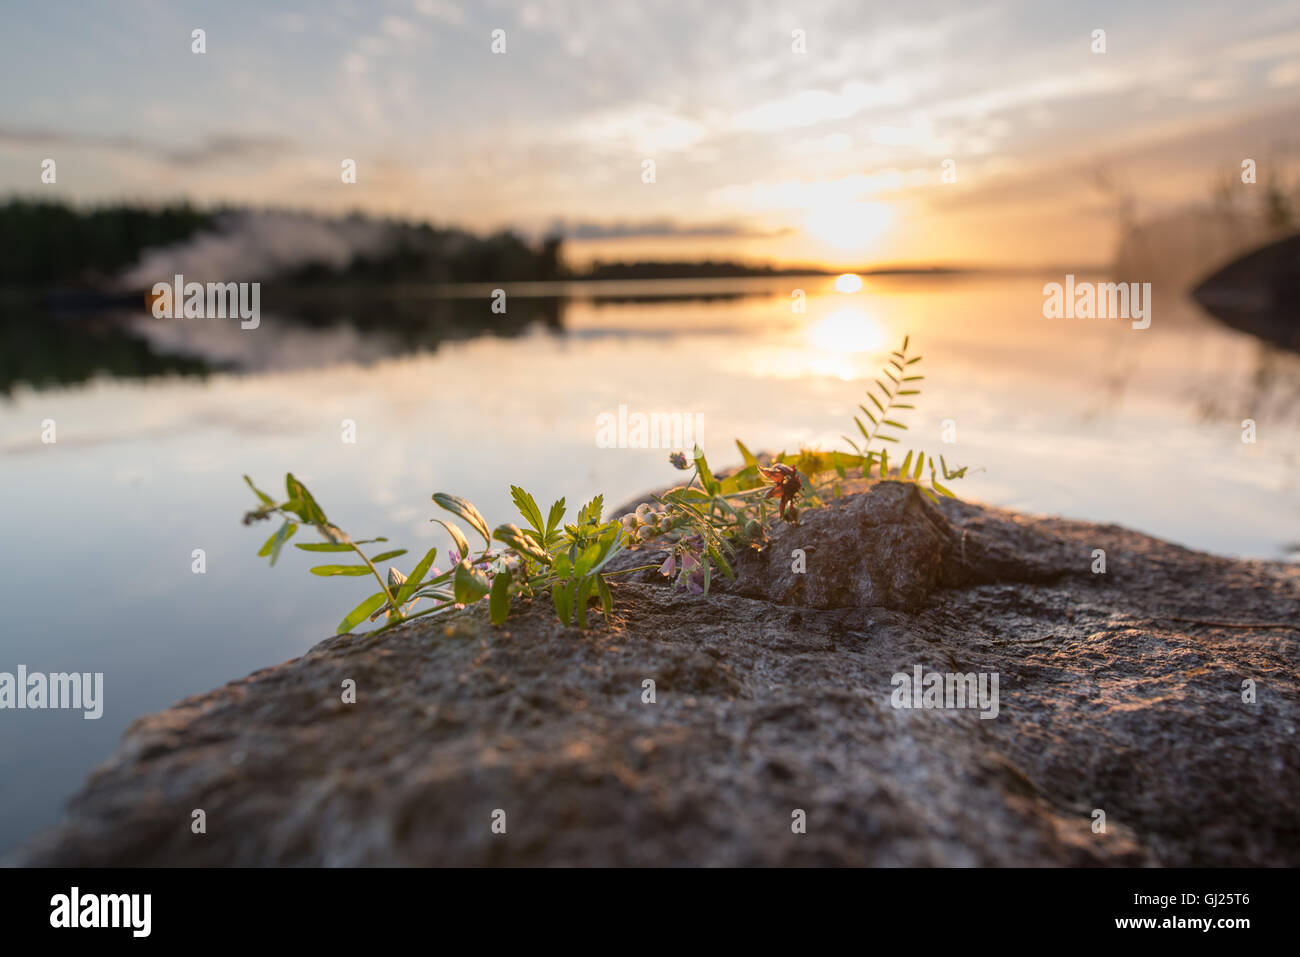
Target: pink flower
(669, 566)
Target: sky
(830, 151)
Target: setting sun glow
(848, 228)
(847, 330)
(849, 282)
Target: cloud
(818, 106)
(658, 228)
(210, 151)
(440, 10)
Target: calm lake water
(1082, 417)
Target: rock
(1259, 293)
(772, 697)
(891, 547)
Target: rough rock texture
(770, 697)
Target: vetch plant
(701, 525)
(566, 560)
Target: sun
(849, 282)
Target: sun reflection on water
(847, 330)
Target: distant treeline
(50, 243)
(55, 245)
(704, 269)
(424, 253)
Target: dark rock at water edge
(772, 695)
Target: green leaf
(469, 583)
(563, 568)
(361, 612)
(555, 517)
(417, 575)
(276, 541)
(876, 403)
(527, 506)
(266, 499)
(584, 594)
(896, 425)
(307, 508)
(587, 559)
(324, 547)
(911, 361)
(385, 556)
(884, 463)
(745, 454)
(590, 513)
(606, 597)
(466, 511)
(706, 476)
(905, 469)
(457, 536)
(514, 537)
(721, 562)
(562, 596)
(952, 473)
(499, 602)
(920, 460)
(708, 576)
(325, 571)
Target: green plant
(701, 525)
(567, 560)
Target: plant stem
(397, 612)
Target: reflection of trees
(38, 350)
(1270, 391)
